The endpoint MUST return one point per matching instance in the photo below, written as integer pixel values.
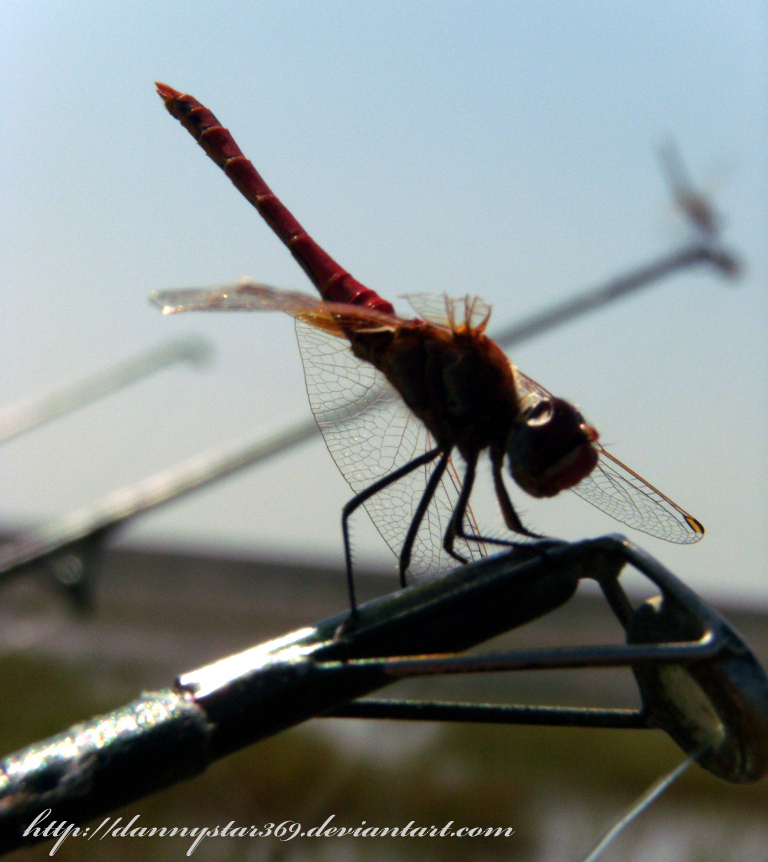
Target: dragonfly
(396, 398)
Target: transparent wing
(333, 317)
(367, 427)
(624, 495)
(469, 312)
(243, 296)
(621, 493)
(370, 432)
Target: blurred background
(489, 148)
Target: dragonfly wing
(624, 495)
(628, 498)
(370, 432)
(430, 307)
(243, 296)
(471, 312)
(333, 317)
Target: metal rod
(170, 735)
(110, 512)
(493, 713)
(43, 408)
(590, 300)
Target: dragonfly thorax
(461, 386)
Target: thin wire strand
(637, 807)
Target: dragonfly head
(551, 448)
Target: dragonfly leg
(457, 529)
(456, 524)
(360, 498)
(511, 518)
(426, 499)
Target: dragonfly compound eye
(551, 448)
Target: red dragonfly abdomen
(333, 282)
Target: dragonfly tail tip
(165, 92)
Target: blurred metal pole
(73, 532)
(590, 300)
(43, 408)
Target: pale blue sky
(492, 148)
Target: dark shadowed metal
(698, 681)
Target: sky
(505, 150)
